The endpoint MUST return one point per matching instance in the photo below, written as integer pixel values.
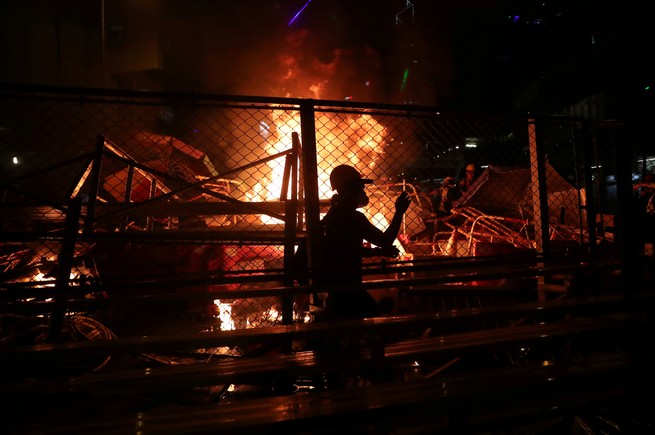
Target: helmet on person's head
(345, 176)
(470, 167)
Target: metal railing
(191, 188)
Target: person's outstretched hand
(402, 202)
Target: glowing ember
(50, 282)
(225, 315)
(272, 315)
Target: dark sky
(367, 50)
(371, 50)
(332, 49)
(454, 54)
(449, 53)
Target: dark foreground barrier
(457, 404)
(597, 347)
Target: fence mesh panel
(186, 188)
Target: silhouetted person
(345, 229)
(445, 196)
(469, 177)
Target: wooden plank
(100, 389)
(448, 345)
(258, 369)
(137, 382)
(284, 333)
(163, 209)
(469, 400)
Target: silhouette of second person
(446, 195)
(345, 229)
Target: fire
(360, 142)
(51, 282)
(225, 315)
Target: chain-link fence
(210, 195)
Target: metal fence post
(589, 145)
(290, 197)
(310, 182)
(65, 262)
(539, 195)
(627, 234)
(95, 184)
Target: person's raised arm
(385, 239)
(402, 204)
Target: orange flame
(357, 140)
